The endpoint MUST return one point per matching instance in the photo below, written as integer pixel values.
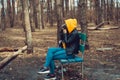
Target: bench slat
(76, 59)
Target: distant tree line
(44, 11)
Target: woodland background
(29, 27)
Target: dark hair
(63, 26)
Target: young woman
(69, 45)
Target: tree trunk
(98, 13)
(105, 10)
(102, 10)
(71, 7)
(66, 7)
(82, 19)
(13, 13)
(31, 16)
(3, 22)
(58, 16)
(49, 12)
(90, 10)
(63, 8)
(111, 8)
(42, 18)
(35, 14)
(27, 27)
(108, 11)
(38, 12)
(74, 13)
(9, 13)
(19, 9)
(117, 17)
(22, 14)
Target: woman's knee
(51, 48)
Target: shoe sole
(46, 72)
(51, 79)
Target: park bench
(78, 58)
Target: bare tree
(98, 13)
(42, 17)
(31, 16)
(12, 13)
(35, 14)
(72, 8)
(103, 10)
(3, 23)
(27, 27)
(38, 12)
(117, 11)
(111, 10)
(63, 8)
(66, 6)
(9, 13)
(82, 18)
(59, 16)
(22, 14)
(49, 12)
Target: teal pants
(55, 53)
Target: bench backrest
(82, 37)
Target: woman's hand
(60, 41)
(64, 31)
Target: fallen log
(108, 28)
(103, 49)
(99, 25)
(103, 28)
(7, 49)
(8, 59)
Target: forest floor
(102, 60)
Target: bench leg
(82, 70)
(62, 71)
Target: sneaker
(50, 77)
(44, 70)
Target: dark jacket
(71, 38)
(72, 42)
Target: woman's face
(64, 29)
